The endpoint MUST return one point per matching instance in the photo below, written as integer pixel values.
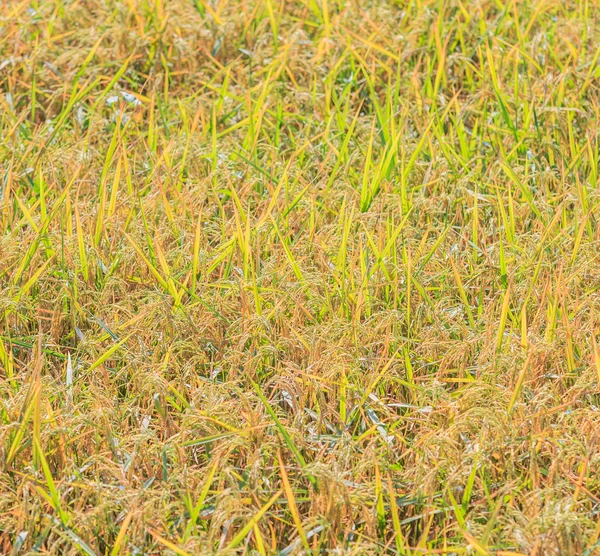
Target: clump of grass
(290, 277)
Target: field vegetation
(299, 277)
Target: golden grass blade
(503, 316)
(167, 543)
(121, 535)
(289, 493)
(238, 539)
(518, 385)
(107, 354)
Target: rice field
(300, 277)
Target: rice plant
(299, 277)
